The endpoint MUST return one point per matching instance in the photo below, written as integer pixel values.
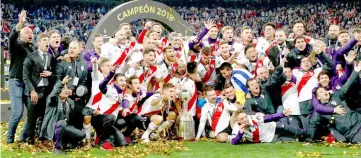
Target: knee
(87, 119)
(120, 123)
(61, 124)
(156, 119)
(222, 137)
(172, 116)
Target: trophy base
(186, 140)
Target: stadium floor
(204, 148)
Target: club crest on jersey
(262, 95)
(311, 73)
(219, 109)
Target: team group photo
(180, 78)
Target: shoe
(59, 152)
(107, 146)
(128, 139)
(10, 141)
(30, 141)
(97, 140)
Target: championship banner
(141, 9)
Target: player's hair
(356, 30)
(102, 61)
(299, 37)
(207, 88)
(149, 32)
(315, 91)
(123, 24)
(174, 35)
(168, 85)
(156, 23)
(148, 50)
(245, 28)
(248, 47)
(334, 25)
(65, 41)
(130, 79)
(270, 24)
(223, 42)
(250, 80)
(206, 51)
(166, 48)
(51, 32)
(41, 36)
(344, 31)
(225, 66)
(191, 67)
(116, 76)
(228, 85)
(77, 42)
(323, 72)
(96, 36)
(226, 28)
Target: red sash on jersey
(124, 54)
(268, 49)
(193, 99)
(147, 73)
(217, 115)
(258, 64)
(215, 47)
(112, 108)
(286, 87)
(255, 133)
(178, 53)
(134, 104)
(169, 76)
(164, 41)
(192, 58)
(304, 80)
(210, 72)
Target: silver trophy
(186, 129)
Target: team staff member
(19, 49)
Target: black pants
(103, 125)
(132, 121)
(35, 111)
(285, 130)
(65, 133)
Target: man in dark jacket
(19, 49)
(302, 49)
(37, 74)
(57, 121)
(331, 39)
(278, 51)
(344, 127)
(77, 70)
(261, 100)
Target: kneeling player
(132, 98)
(217, 117)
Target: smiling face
(269, 32)
(170, 55)
(106, 67)
(149, 58)
(229, 92)
(211, 96)
(213, 33)
(288, 72)
(205, 58)
(262, 73)
(176, 42)
(343, 38)
(127, 30)
(324, 80)
(243, 119)
(280, 37)
(299, 29)
(121, 82)
(169, 93)
(55, 40)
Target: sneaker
(59, 152)
(107, 146)
(128, 139)
(97, 140)
(30, 141)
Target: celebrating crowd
(78, 21)
(236, 88)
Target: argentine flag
(239, 79)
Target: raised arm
(326, 61)
(277, 79)
(321, 109)
(103, 85)
(207, 26)
(345, 49)
(349, 83)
